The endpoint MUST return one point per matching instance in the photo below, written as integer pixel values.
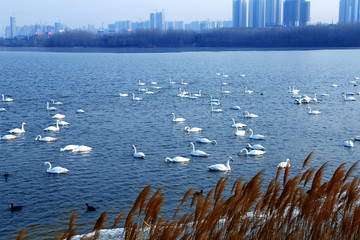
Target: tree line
(314, 36)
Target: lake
(109, 178)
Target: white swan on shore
(221, 167)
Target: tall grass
(299, 207)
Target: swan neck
(193, 146)
(134, 148)
(228, 164)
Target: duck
(50, 108)
(63, 123)
(82, 149)
(136, 98)
(52, 128)
(194, 129)
(45, 139)
(69, 148)
(252, 152)
(217, 110)
(235, 108)
(221, 167)
(56, 170)
(18, 130)
(256, 136)
(248, 91)
(314, 112)
(6, 99)
(177, 159)
(197, 94)
(250, 115)
(123, 94)
(239, 132)
(138, 154)
(56, 103)
(6, 175)
(239, 125)
(286, 164)
(90, 208)
(349, 143)
(346, 98)
(80, 111)
(15, 208)
(197, 193)
(205, 140)
(59, 116)
(8, 137)
(255, 147)
(197, 153)
(177, 120)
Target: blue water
(109, 178)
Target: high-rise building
(349, 11)
(273, 13)
(12, 27)
(240, 13)
(152, 21)
(256, 13)
(160, 20)
(304, 12)
(291, 13)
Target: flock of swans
(13, 134)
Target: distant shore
(160, 50)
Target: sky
(80, 13)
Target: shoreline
(163, 50)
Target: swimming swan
(239, 125)
(50, 108)
(205, 140)
(194, 129)
(135, 98)
(52, 128)
(177, 159)
(177, 120)
(256, 136)
(250, 115)
(69, 148)
(349, 143)
(218, 110)
(239, 132)
(6, 99)
(18, 130)
(8, 137)
(221, 167)
(252, 152)
(138, 154)
(59, 116)
(197, 153)
(45, 139)
(82, 149)
(285, 164)
(255, 147)
(56, 170)
(314, 112)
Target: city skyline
(80, 13)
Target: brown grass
(21, 234)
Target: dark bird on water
(6, 175)
(15, 208)
(199, 193)
(90, 208)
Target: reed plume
(100, 223)
(307, 160)
(21, 234)
(117, 220)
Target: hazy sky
(78, 13)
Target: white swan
(2, 110)
(293, 90)
(171, 81)
(314, 112)
(225, 83)
(349, 143)
(306, 99)
(250, 115)
(348, 98)
(197, 153)
(242, 75)
(150, 92)
(256, 136)
(143, 89)
(194, 129)
(138, 154)
(56, 170)
(153, 82)
(8, 137)
(205, 140)
(63, 123)
(18, 130)
(252, 152)
(239, 132)
(217, 110)
(6, 99)
(177, 159)
(214, 99)
(59, 116)
(225, 91)
(286, 164)
(123, 94)
(80, 111)
(255, 147)
(248, 91)
(239, 125)
(184, 83)
(197, 94)
(45, 139)
(235, 108)
(82, 149)
(135, 98)
(221, 167)
(69, 148)
(334, 85)
(141, 84)
(50, 108)
(56, 103)
(314, 98)
(215, 103)
(52, 128)
(177, 120)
